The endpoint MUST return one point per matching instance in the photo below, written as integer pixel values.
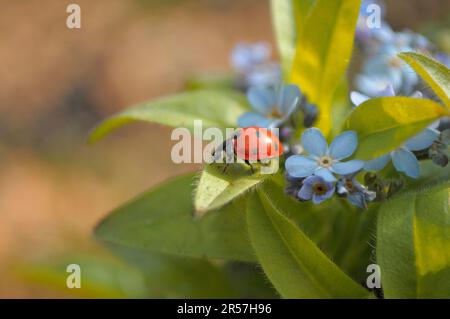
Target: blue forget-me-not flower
(386, 68)
(322, 160)
(251, 62)
(403, 157)
(272, 105)
(316, 188)
(246, 55)
(356, 193)
(358, 98)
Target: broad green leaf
(313, 221)
(434, 73)
(101, 276)
(162, 221)
(430, 173)
(357, 241)
(169, 276)
(288, 17)
(383, 124)
(340, 107)
(249, 281)
(216, 188)
(208, 81)
(341, 230)
(323, 52)
(302, 9)
(413, 244)
(215, 108)
(293, 263)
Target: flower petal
(410, 79)
(384, 34)
(422, 140)
(343, 145)
(405, 161)
(300, 166)
(314, 142)
(358, 98)
(372, 85)
(305, 193)
(260, 51)
(388, 91)
(347, 168)
(358, 200)
(289, 98)
(263, 75)
(311, 180)
(263, 99)
(254, 119)
(326, 174)
(378, 163)
(317, 199)
(240, 57)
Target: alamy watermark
(374, 279)
(373, 16)
(73, 20)
(74, 278)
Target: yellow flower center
(320, 188)
(275, 114)
(395, 62)
(325, 161)
(349, 185)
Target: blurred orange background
(56, 84)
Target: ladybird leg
(219, 151)
(261, 162)
(224, 145)
(225, 168)
(251, 166)
(229, 151)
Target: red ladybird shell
(256, 143)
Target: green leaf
(413, 244)
(342, 231)
(323, 53)
(434, 73)
(302, 9)
(249, 281)
(216, 188)
(316, 221)
(356, 241)
(210, 81)
(383, 124)
(293, 263)
(162, 221)
(215, 108)
(430, 173)
(288, 17)
(101, 276)
(340, 107)
(169, 276)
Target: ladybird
(253, 144)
